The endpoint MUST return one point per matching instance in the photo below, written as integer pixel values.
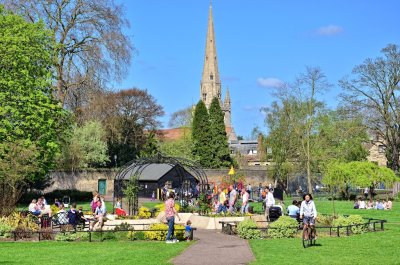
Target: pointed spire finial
(227, 97)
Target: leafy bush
(325, 220)
(109, 236)
(144, 213)
(54, 209)
(69, 237)
(188, 209)
(104, 235)
(162, 235)
(247, 229)
(16, 219)
(123, 226)
(75, 196)
(204, 204)
(22, 232)
(46, 233)
(5, 230)
(350, 220)
(139, 235)
(161, 207)
(284, 227)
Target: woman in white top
(308, 212)
(269, 202)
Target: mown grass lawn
(87, 253)
(369, 248)
(151, 205)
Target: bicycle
(309, 233)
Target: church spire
(227, 109)
(227, 100)
(210, 83)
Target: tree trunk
(395, 159)
(333, 204)
(309, 184)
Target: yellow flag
(231, 171)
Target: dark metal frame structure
(139, 165)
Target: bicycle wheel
(306, 234)
(313, 236)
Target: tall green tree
(29, 113)
(150, 147)
(201, 135)
(127, 117)
(181, 147)
(281, 142)
(336, 135)
(373, 91)
(340, 176)
(91, 44)
(87, 147)
(219, 140)
(342, 137)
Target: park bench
(229, 227)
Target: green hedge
(247, 229)
(75, 195)
(284, 227)
(350, 220)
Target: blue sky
(259, 44)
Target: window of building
(252, 152)
(381, 149)
(211, 77)
(204, 96)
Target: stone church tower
(210, 85)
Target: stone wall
(88, 180)
(82, 180)
(377, 154)
(253, 176)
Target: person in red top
(170, 213)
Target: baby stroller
(275, 212)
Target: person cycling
(308, 212)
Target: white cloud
(270, 82)
(329, 30)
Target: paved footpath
(214, 247)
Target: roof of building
(173, 134)
(150, 172)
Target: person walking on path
(269, 202)
(170, 213)
(366, 193)
(232, 199)
(245, 202)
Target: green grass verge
(368, 248)
(89, 253)
(151, 205)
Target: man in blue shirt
(293, 210)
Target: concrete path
(214, 247)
